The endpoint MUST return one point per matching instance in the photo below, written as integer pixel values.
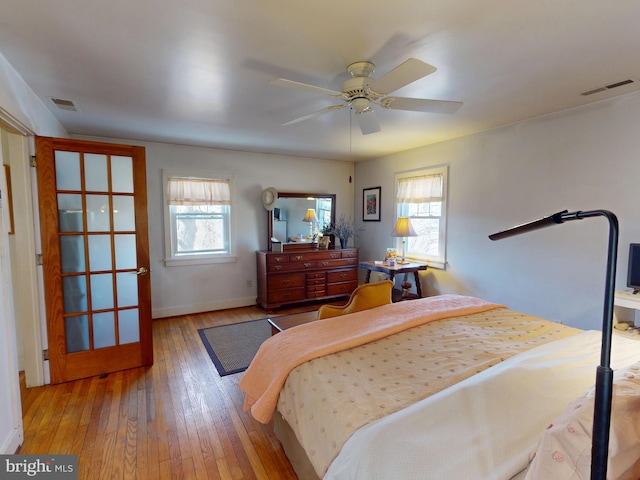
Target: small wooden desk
(393, 270)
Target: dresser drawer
(302, 257)
(288, 295)
(328, 255)
(316, 293)
(277, 282)
(316, 281)
(343, 288)
(349, 253)
(320, 274)
(287, 267)
(341, 262)
(342, 275)
(280, 258)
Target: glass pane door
(96, 211)
(95, 255)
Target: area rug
(232, 347)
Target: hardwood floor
(177, 419)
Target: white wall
(179, 290)
(583, 159)
(23, 107)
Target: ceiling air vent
(63, 104)
(611, 86)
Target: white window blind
(422, 189)
(192, 191)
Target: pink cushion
(564, 451)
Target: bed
(441, 387)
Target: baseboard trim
(13, 442)
(203, 307)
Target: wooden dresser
(299, 276)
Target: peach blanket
(281, 353)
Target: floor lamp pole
(604, 373)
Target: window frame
(440, 261)
(171, 258)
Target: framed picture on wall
(371, 204)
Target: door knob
(142, 271)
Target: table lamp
(403, 229)
(310, 217)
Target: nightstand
(626, 307)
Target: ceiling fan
(361, 92)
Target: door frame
(27, 282)
(12, 434)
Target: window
(421, 196)
(323, 212)
(198, 218)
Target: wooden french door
(95, 249)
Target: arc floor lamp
(604, 373)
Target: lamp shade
(310, 216)
(403, 228)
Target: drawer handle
(286, 295)
(298, 257)
(325, 264)
(307, 264)
(343, 275)
(279, 259)
(350, 261)
(278, 267)
(286, 282)
(333, 255)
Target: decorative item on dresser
(302, 275)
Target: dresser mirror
(291, 221)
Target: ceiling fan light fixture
(360, 104)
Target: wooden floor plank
(175, 419)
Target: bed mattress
(327, 399)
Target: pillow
(564, 451)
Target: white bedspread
(485, 427)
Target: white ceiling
(197, 72)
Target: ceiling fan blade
(368, 121)
(421, 105)
(404, 74)
(315, 114)
(283, 82)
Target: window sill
(436, 264)
(180, 262)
